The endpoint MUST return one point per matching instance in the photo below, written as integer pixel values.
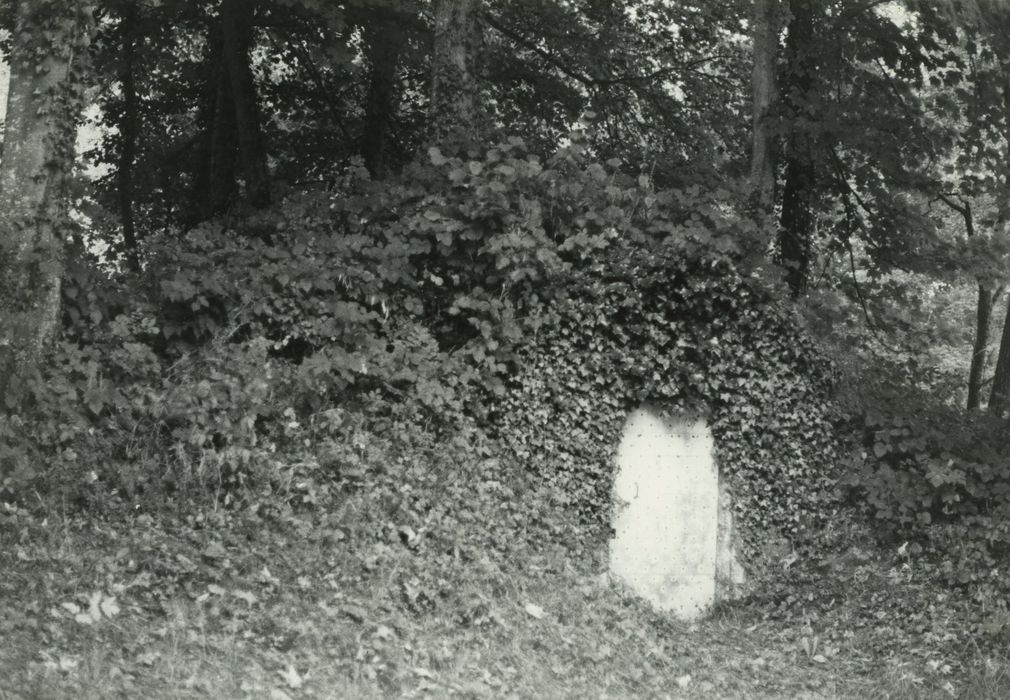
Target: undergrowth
(329, 451)
(418, 575)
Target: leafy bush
(919, 463)
(427, 290)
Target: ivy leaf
(436, 156)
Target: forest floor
(225, 605)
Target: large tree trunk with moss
(383, 38)
(48, 49)
(456, 52)
(765, 48)
(797, 220)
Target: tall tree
(214, 183)
(999, 396)
(232, 140)
(383, 38)
(983, 310)
(765, 38)
(797, 219)
(237, 34)
(48, 51)
(129, 127)
(456, 52)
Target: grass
(228, 606)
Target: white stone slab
(666, 521)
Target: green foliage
(919, 463)
(685, 335)
(365, 283)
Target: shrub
(916, 462)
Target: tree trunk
(214, 182)
(797, 220)
(983, 313)
(999, 397)
(233, 138)
(128, 129)
(983, 317)
(237, 34)
(762, 170)
(383, 38)
(44, 102)
(456, 50)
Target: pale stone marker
(673, 541)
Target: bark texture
(237, 31)
(128, 131)
(983, 317)
(796, 225)
(999, 397)
(383, 38)
(456, 51)
(44, 102)
(983, 312)
(762, 170)
(233, 143)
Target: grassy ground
(226, 605)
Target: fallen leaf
(245, 595)
(264, 576)
(214, 550)
(684, 681)
(94, 603)
(109, 606)
(407, 535)
(291, 677)
(355, 612)
(534, 611)
(604, 651)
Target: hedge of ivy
(688, 335)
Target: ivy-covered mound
(685, 335)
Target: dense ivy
(685, 334)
